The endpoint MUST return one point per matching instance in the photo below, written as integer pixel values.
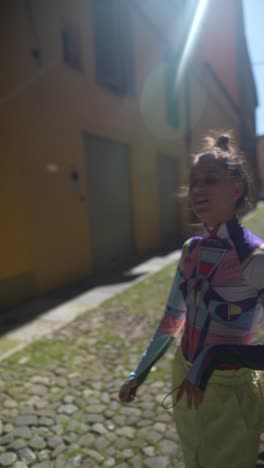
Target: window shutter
(107, 45)
(171, 92)
(126, 41)
(72, 48)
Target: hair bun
(222, 142)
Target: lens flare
(192, 37)
(153, 105)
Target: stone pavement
(66, 413)
(69, 415)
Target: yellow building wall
(55, 106)
(15, 246)
(46, 108)
(16, 269)
(17, 277)
(152, 134)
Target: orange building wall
(218, 43)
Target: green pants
(224, 431)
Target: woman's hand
(194, 394)
(128, 392)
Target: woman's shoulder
(188, 248)
(252, 239)
(253, 245)
(246, 243)
(253, 263)
(190, 243)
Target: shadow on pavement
(14, 317)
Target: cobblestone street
(59, 405)
(66, 412)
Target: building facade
(260, 153)
(97, 129)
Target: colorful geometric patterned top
(218, 296)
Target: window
(171, 91)
(113, 45)
(31, 16)
(72, 48)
